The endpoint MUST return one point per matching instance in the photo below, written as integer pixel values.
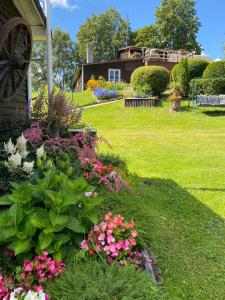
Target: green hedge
(180, 74)
(215, 69)
(209, 86)
(155, 76)
(197, 67)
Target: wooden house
(21, 23)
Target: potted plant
(144, 91)
(175, 96)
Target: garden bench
(211, 101)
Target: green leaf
(92, 216)
(40, 218)
(6, 233)
(75, 225)
(21, 235)
(58, 256)
(44, 240)
(29, 228)
(60, 240)
(20, 246)
(4, 200)
(79, 184)
(16, 213)
(59, 222)
(5, 218)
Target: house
(21, 23)
(127, 60)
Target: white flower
(34, 296)
(9, 148)
(28, 167)
(24, 154)
(14, 161)
(40, 152)
(16, 293)
(21, 144)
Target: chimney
(90, 53)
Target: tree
(178, 24)
(107, 32)
(147, 37)
(64, 61)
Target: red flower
(91, 252)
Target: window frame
(114, 75)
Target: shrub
(180, 74)
(215, 69)
(155, 76)
(197, 67)
(209, 86)
(92, 84)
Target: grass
(83, 99)
(181, 211)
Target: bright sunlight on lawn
(181, 209)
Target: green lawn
(181, 212)
(83, 99)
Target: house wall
(166, 64)
(127, 67)
(14, 110)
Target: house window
(114, 75)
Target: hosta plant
(48, 213)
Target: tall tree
(178, 24)
(64, 61)
(107, 32)
(148, 37)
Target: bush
(209, 86)
(180, 74)
(197, 67)
(215, 69)
(155, 76)
(94, 280)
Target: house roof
(112, 61)
(32, 12)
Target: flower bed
(103, 94)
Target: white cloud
(217, 59)
(64, 4)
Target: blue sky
(70, 14)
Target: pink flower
(96, 228)
(134, 234)
(106, 249)
(108, 216)
(110, 239)
(112, 247)
(126, 245)
(47, 297)
(27, 266)
(84, 244)
(98, 247)
(40, 267)
(38, 288)
(103, 226)
(115, 254)
(101, 237)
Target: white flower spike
(10, 148)
(40, 152)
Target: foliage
(113, 239)
(177, 24)
(92, 84)
(56, 110)
(64, 61)
(147, 37)
(155, 76)
(46, 213)
(95, 281)
(215, 69)
(209, 86)
(180, 74)
(103, 94)
(106, 39)
(112, 159)
(196, 67)
(144, 90)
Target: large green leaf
(6, 233)
(59, 222)
(5, 218)
(16, 213)
(40, 218)
(92, 215)
(79, 184)
(44, 240)
(29, 228)
(20, 246)
(60, 239)
(4, 200)
(75, 225)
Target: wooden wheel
(15, 56)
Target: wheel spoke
(13, 81)
(5, 51)
(4, 62)
(2, 73)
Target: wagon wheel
(15, 56)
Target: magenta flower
(27, 266)
(84, 244)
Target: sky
(70, 14)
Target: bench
(210, 101)
(137, 102)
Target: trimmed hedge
(155, 76)
(215, 69)
(180, 74)
(197, 67)
(209, 86)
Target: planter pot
(176, 105)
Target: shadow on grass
(185, 235)
(215, 113)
